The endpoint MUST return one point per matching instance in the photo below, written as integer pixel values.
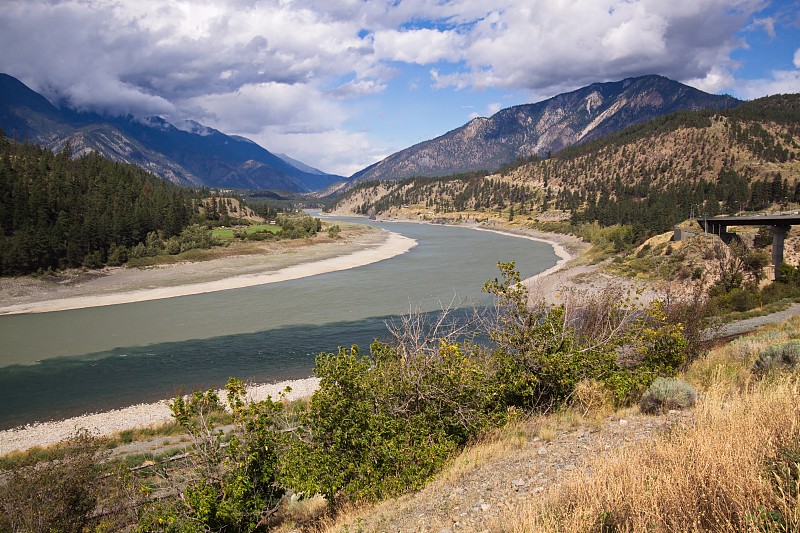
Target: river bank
(280, 261)
(136, 416)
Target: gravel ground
(476, 499)
(749, 324)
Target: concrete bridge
(779, 224)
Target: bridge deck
(789, 219)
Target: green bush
(93, 259)
(298, 226)
(235, 487)
(173, 246)
(382, 424)
(784, 356)
(667, 393)
(610, 341)
(118, 255)
(737, 299)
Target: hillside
(545, 127)
(649, 176)
(587, 466)
(186, 153)
(57, 212)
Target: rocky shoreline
(142, 415)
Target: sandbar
(198, 278)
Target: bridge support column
(778, 236)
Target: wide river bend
(66, 363)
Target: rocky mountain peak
(544, 127)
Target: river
(101, 358)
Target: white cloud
(768, 24)
(781, 82)
(336, 151)
(279, 66)
(357, 88)
(797, 58)
(423, 46)
(254, 107)
(714, 81)
(540, 44)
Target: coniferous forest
(58, 212)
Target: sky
(341, 84)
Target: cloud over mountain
(274, 68)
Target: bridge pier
(778, 236)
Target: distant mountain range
(545, 127)
(187, 153)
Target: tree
(736, 264)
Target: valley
(417, 367)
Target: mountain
(545, 127)
(187, 153)
(647, 177)
(323, 181)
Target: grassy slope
(715, 474)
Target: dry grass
(719, 474)
(712, 476)
(493, 446)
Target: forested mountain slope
(650, 176)
(58, 212)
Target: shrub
(233, 487)
(195, 236)
(784, 356)
(61, 493)
(93, 259)
(591, 396)
(667, 393)
(173, 246)
(607, 339)
(118, 255)
(736, 299)
(140, 250)
(382, 424)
